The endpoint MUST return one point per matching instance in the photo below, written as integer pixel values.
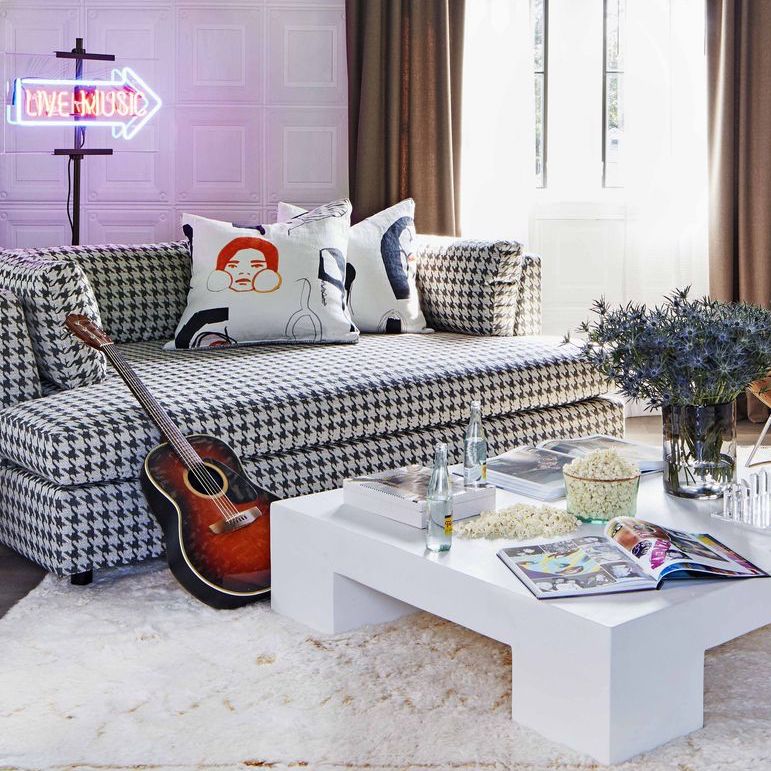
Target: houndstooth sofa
(302, 418)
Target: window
(613, 92)
(539, 11)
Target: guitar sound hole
(206, 481)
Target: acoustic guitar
(215, 522)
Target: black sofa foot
(82, 579)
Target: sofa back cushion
(19, 378)
(49, 288)
(140, 289)
(479, 287)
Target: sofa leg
(82, 579)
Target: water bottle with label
(475, 450)
(439, 504)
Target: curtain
(739, 75)
(405, 63)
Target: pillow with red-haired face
(268, 284)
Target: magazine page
(574, 567)
(542, 468)
(662, 551)
(645, 456)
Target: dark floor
(19, 576)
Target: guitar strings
(186, 453)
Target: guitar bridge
(236, 522)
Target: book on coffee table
(631, 555)
(647, 457)
(400, 494)
(529, 471)
(536, 471)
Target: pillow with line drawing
(281, 283)
(380, 278)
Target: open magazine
(645, 456)
(631, 555)
(537, 471)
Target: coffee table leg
(609, 694)
(305, 588)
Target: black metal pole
(79, 140)
(77, 151)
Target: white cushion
(380, 280)
(273, 283)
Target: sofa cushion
(280, 283)
(380, 275)
(269, 400)
(19, 378)
(48, 288)
(479, 287)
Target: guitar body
(223, 569)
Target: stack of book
(401, 495)
(536, 471)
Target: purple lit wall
(254, 111)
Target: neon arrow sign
(126, 103)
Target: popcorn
(602, 464)
(518, 522)
(601, 485)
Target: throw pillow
(49, 285)
(380, 276)
(281, 283)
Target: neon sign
(125, 103)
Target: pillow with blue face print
(281, 283)
(380, 276)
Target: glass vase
(699, 449)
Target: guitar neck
(151, 406)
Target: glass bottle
(475, 450)
(439, 504)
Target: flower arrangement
(692, 358)
(684, 352)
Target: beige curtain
(405, 62)
(739, 85)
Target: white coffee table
(610, 676)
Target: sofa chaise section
(301, 417)
(275, 399)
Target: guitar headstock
(87, 330)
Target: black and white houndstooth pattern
(49, 288)
(140, 290)
(274, 399)
(19, 379)
(479, 287)
(72, 529)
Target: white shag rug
(132, 673)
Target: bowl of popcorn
(600, 486)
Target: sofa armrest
(479, 287)
(48, 289)
(19, 378)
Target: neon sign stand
(125, 103)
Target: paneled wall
(254, 112)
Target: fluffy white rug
(132, 673)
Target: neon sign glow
(125, 103)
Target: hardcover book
(631, 555)
(400, 494)
(537, 471)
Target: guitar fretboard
(152, 407)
